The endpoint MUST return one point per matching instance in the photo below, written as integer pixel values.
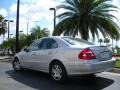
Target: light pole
(8, 25)
(54, 20)
(8, 29)
(17, 26)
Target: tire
(57, 72)
(16, 65)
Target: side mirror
(26, 50)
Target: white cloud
(35, 10)
(3, 12)
(117, 13)
(13, 8)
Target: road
(33, 80)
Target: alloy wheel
(56, 72)
(16, 65)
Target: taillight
(87, 54)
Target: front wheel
(16, 65)
(57, 72)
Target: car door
(47, 48)
(28, 56)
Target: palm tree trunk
(112, 42)
(112, 45)
(116, 42)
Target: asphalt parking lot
(33, 80)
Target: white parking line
(110, 73)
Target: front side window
(33, 46)
(48, 44)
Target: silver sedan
(63, 56)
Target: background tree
(37, 32)
(8, 44)
(25, 40)
(3, 25)
(84, 16)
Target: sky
(36, 12)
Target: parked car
(64, 56)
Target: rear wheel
(57, 72)
(16, 65)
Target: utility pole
(17, 27)
(28, 24)
(27, 28)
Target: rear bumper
(90, 68)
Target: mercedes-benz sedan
(63, 56)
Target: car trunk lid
(102, 53)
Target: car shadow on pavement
(41, 81)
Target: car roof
(56, 38)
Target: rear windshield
(76, 41)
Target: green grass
(117, 65)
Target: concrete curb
(6, 59)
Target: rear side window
(76, 41)
(48, 44)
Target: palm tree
(100, 41)
(3, 26)
(37, 32)
(84, 16)
(106, 40)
